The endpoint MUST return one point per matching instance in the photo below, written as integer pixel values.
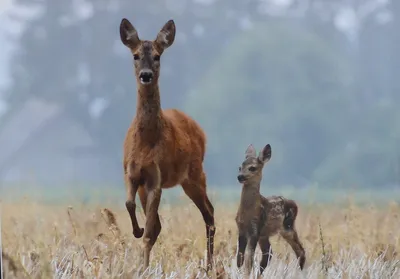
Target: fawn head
(146, 54)
(252, 166)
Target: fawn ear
(166, 36)
(251, 151)
(128, 33)
(265, 154)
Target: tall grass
(48, 240)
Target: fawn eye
(252, 169)
(240, 168)
(156, 57)
(136, 57)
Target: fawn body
(162, 148)
(258, 217)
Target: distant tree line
(326, 102)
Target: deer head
(252, 166)
(146, 54)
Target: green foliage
(277, 84)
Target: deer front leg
(241, 248)
(131, 189)
(153, 224)
(249, 258)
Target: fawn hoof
(302, 262)
(209, 267)
(138, 233)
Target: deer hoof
(139, 233)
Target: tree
(265, 90)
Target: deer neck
(250, 195)
(148, 111)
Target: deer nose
(146, 76)
(241, 178)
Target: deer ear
(166, 36)
(251, 151)
(128, 33)
(265, 154)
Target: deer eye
(240, 168)
(156, 57)
(136, 57)
(252, 169)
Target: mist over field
(317, 80)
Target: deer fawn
(162, 148)
(258, 218)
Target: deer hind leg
(292, 238)
(195, 189)
(131, 189)
(266, 250)
(150, 197)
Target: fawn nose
(146, 76)
(241, 178)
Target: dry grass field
(76, 241)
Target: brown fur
(162, 148)
(258, 218)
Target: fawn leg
(293, 239)
(131, 189)
(152, 202)
(249, 258)
(265, 246)
(196, 191)
(241, 248)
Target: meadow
(353, 234)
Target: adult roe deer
(162, 148)
(258, 217)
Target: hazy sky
(5, 47)
(346, 20)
